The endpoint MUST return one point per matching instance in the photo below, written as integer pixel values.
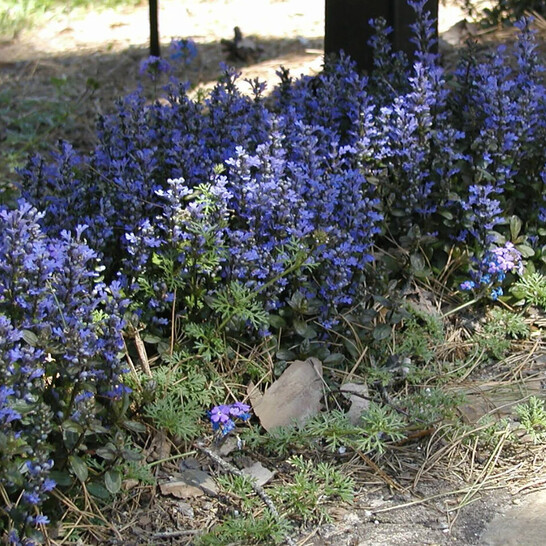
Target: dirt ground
(85, 61)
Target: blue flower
(153, 67)
(182, 50)
(467, 285)
(40, 519)
(221, 416)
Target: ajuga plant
(451, 157)
(288, 195)
(61, 376)
(214, 215)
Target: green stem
(171, 458)
(460, 307)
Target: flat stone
(199, 478)
(521, 524)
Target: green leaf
(107, 452)
(382, 331)
(525, 250)
(30, 337)
(135, 426)
(382, 301)
(515, 227)
(418, 266)
(112, 481)
(303, 329)
(334, 358)
(351, 347)
(70, 439)
(151, 339)
(79, 467)
(61, 477)
(285, 354)
(98, 490)
(72, 426)
(276, 321)
(97, 428)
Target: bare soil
(82, 62)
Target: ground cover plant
(205, 239)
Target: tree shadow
(44, 98)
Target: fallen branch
(258, 489)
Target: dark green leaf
(78, 466)
(285, 354)
(135, 426)
(276, 321)
(107, 453)
(382, 331)
(304, 330)
(382, 301)
(305, 346)
(351, 347)
(112, 481)
(417, 263)
(367, 315)
(70, 439)
(61, 477)
(98, 490)
(97, 428)
(334, 358)
(72, 426)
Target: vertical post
(347, 26)
(154, 29)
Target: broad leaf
(112, 481)
(78, 466)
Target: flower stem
(460, 307)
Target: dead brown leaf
(294, 397)
(180, 490)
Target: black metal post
(154, 29)
(347, 26)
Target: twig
(259, 490)
(141, 349)
(431, 498)
(382, 474)
(483, 477)
(129, 360)
(173, 534)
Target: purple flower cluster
(222, 417)
(490, 272)
(153, 67)
(324, 169)
(60, 337)
(182, 50)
